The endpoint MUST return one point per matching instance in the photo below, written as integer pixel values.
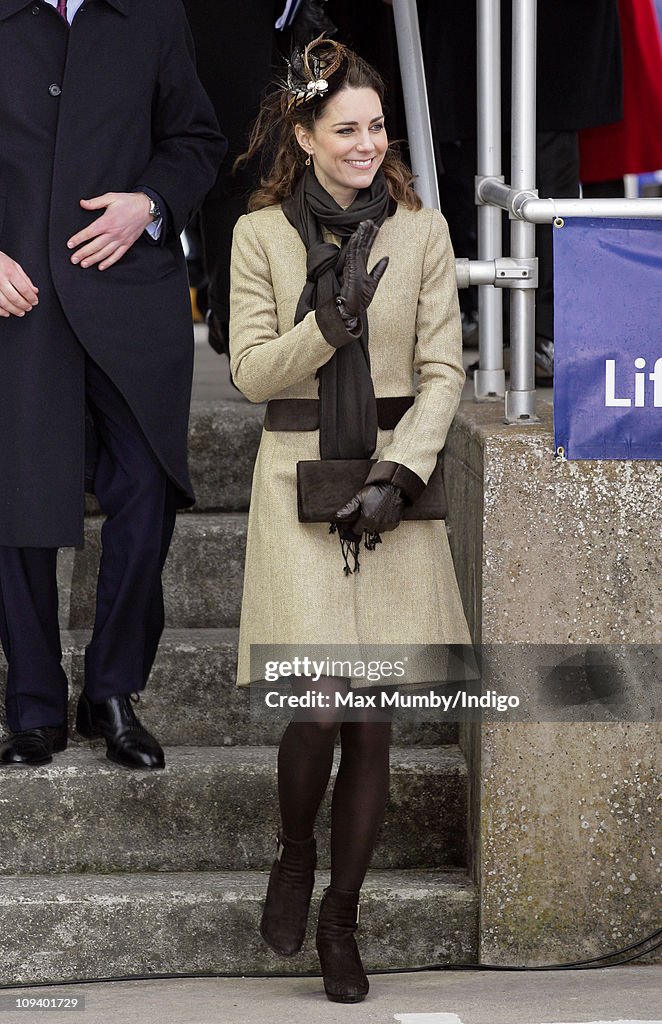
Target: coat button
(54, 89)
(36, 9)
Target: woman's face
(347, 143)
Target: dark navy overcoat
(111, 104)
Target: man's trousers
(139, 501)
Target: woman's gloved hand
(376, 508)
(359, 286)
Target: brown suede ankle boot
(344, 978)
(285, 914)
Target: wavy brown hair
(273, 141)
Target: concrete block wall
(566, 818)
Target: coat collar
(9, 7)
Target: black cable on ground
(594, 963)
(574, 965)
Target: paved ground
(211, 375)
(628, 995)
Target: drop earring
(308, 161)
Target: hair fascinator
(309, 71)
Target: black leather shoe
(127, 740)
(33, 746)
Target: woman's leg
(305, 758)
(357, 812)
(359, 800)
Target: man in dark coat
(108, 145)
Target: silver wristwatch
(154, 209)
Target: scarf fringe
(351, 547)
(371, 540)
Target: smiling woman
(330, 129)
(333, 347)
(347, 143)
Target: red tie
(62, 8)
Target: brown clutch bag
(324, 486)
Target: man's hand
(18, 294)
(105, 241)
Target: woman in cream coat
(332, 163)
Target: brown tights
(305, 759)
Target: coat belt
(304, 413)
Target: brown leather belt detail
(304, 413)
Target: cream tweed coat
(295, 591)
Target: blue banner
(608, 339)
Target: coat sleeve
(409, 458)
(263, 362)
(187, 146)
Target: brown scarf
(348, 410)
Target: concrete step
(211, 809)
(224, 437)
(192, 698)
(223, 441)
(202, 581)
(75, 928)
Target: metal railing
(492, 271)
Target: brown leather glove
(359, 286)
(376, 508)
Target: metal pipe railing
(546, 211)
(524, 204)
(417, 110)
(502, 272)
(490, 378)
(521, 396)
(492, 272)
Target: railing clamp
(516, 273)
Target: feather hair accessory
(309, 71)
